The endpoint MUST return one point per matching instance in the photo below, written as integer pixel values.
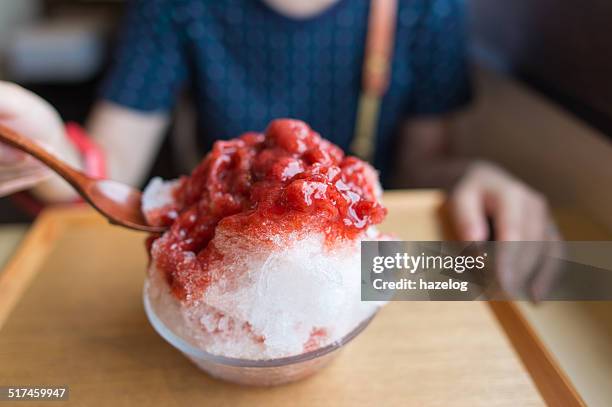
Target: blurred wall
(563, 45)
(558, 141)
(541, 143)
(13, 14)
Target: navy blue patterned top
(248, 64)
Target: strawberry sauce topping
(288, 180)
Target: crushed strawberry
(286, 180)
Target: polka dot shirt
(248, 64)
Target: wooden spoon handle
(75, 177)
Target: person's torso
(251, 64)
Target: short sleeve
(149, 65)
(440, 70)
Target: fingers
(15, 100)
(11, 104)
(20, 177)
(10, 156)
(550, 269)
(537, 217)
(515, 263)
(519, 214)
(506, 206)
(29, 114)
(468, 213)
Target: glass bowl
(267, 372)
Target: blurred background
(541, 68)
(543, 111)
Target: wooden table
(71, 314)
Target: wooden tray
(71, 314)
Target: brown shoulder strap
(375, 75)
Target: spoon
(119, 203)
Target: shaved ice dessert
(262, 256)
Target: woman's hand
(482, 194)
(129, 138)
(487, 192)
(518, 213)
(33, 117)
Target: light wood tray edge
(38, 242)
(552, 382)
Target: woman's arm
(131, 139)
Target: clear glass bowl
(269, 372)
